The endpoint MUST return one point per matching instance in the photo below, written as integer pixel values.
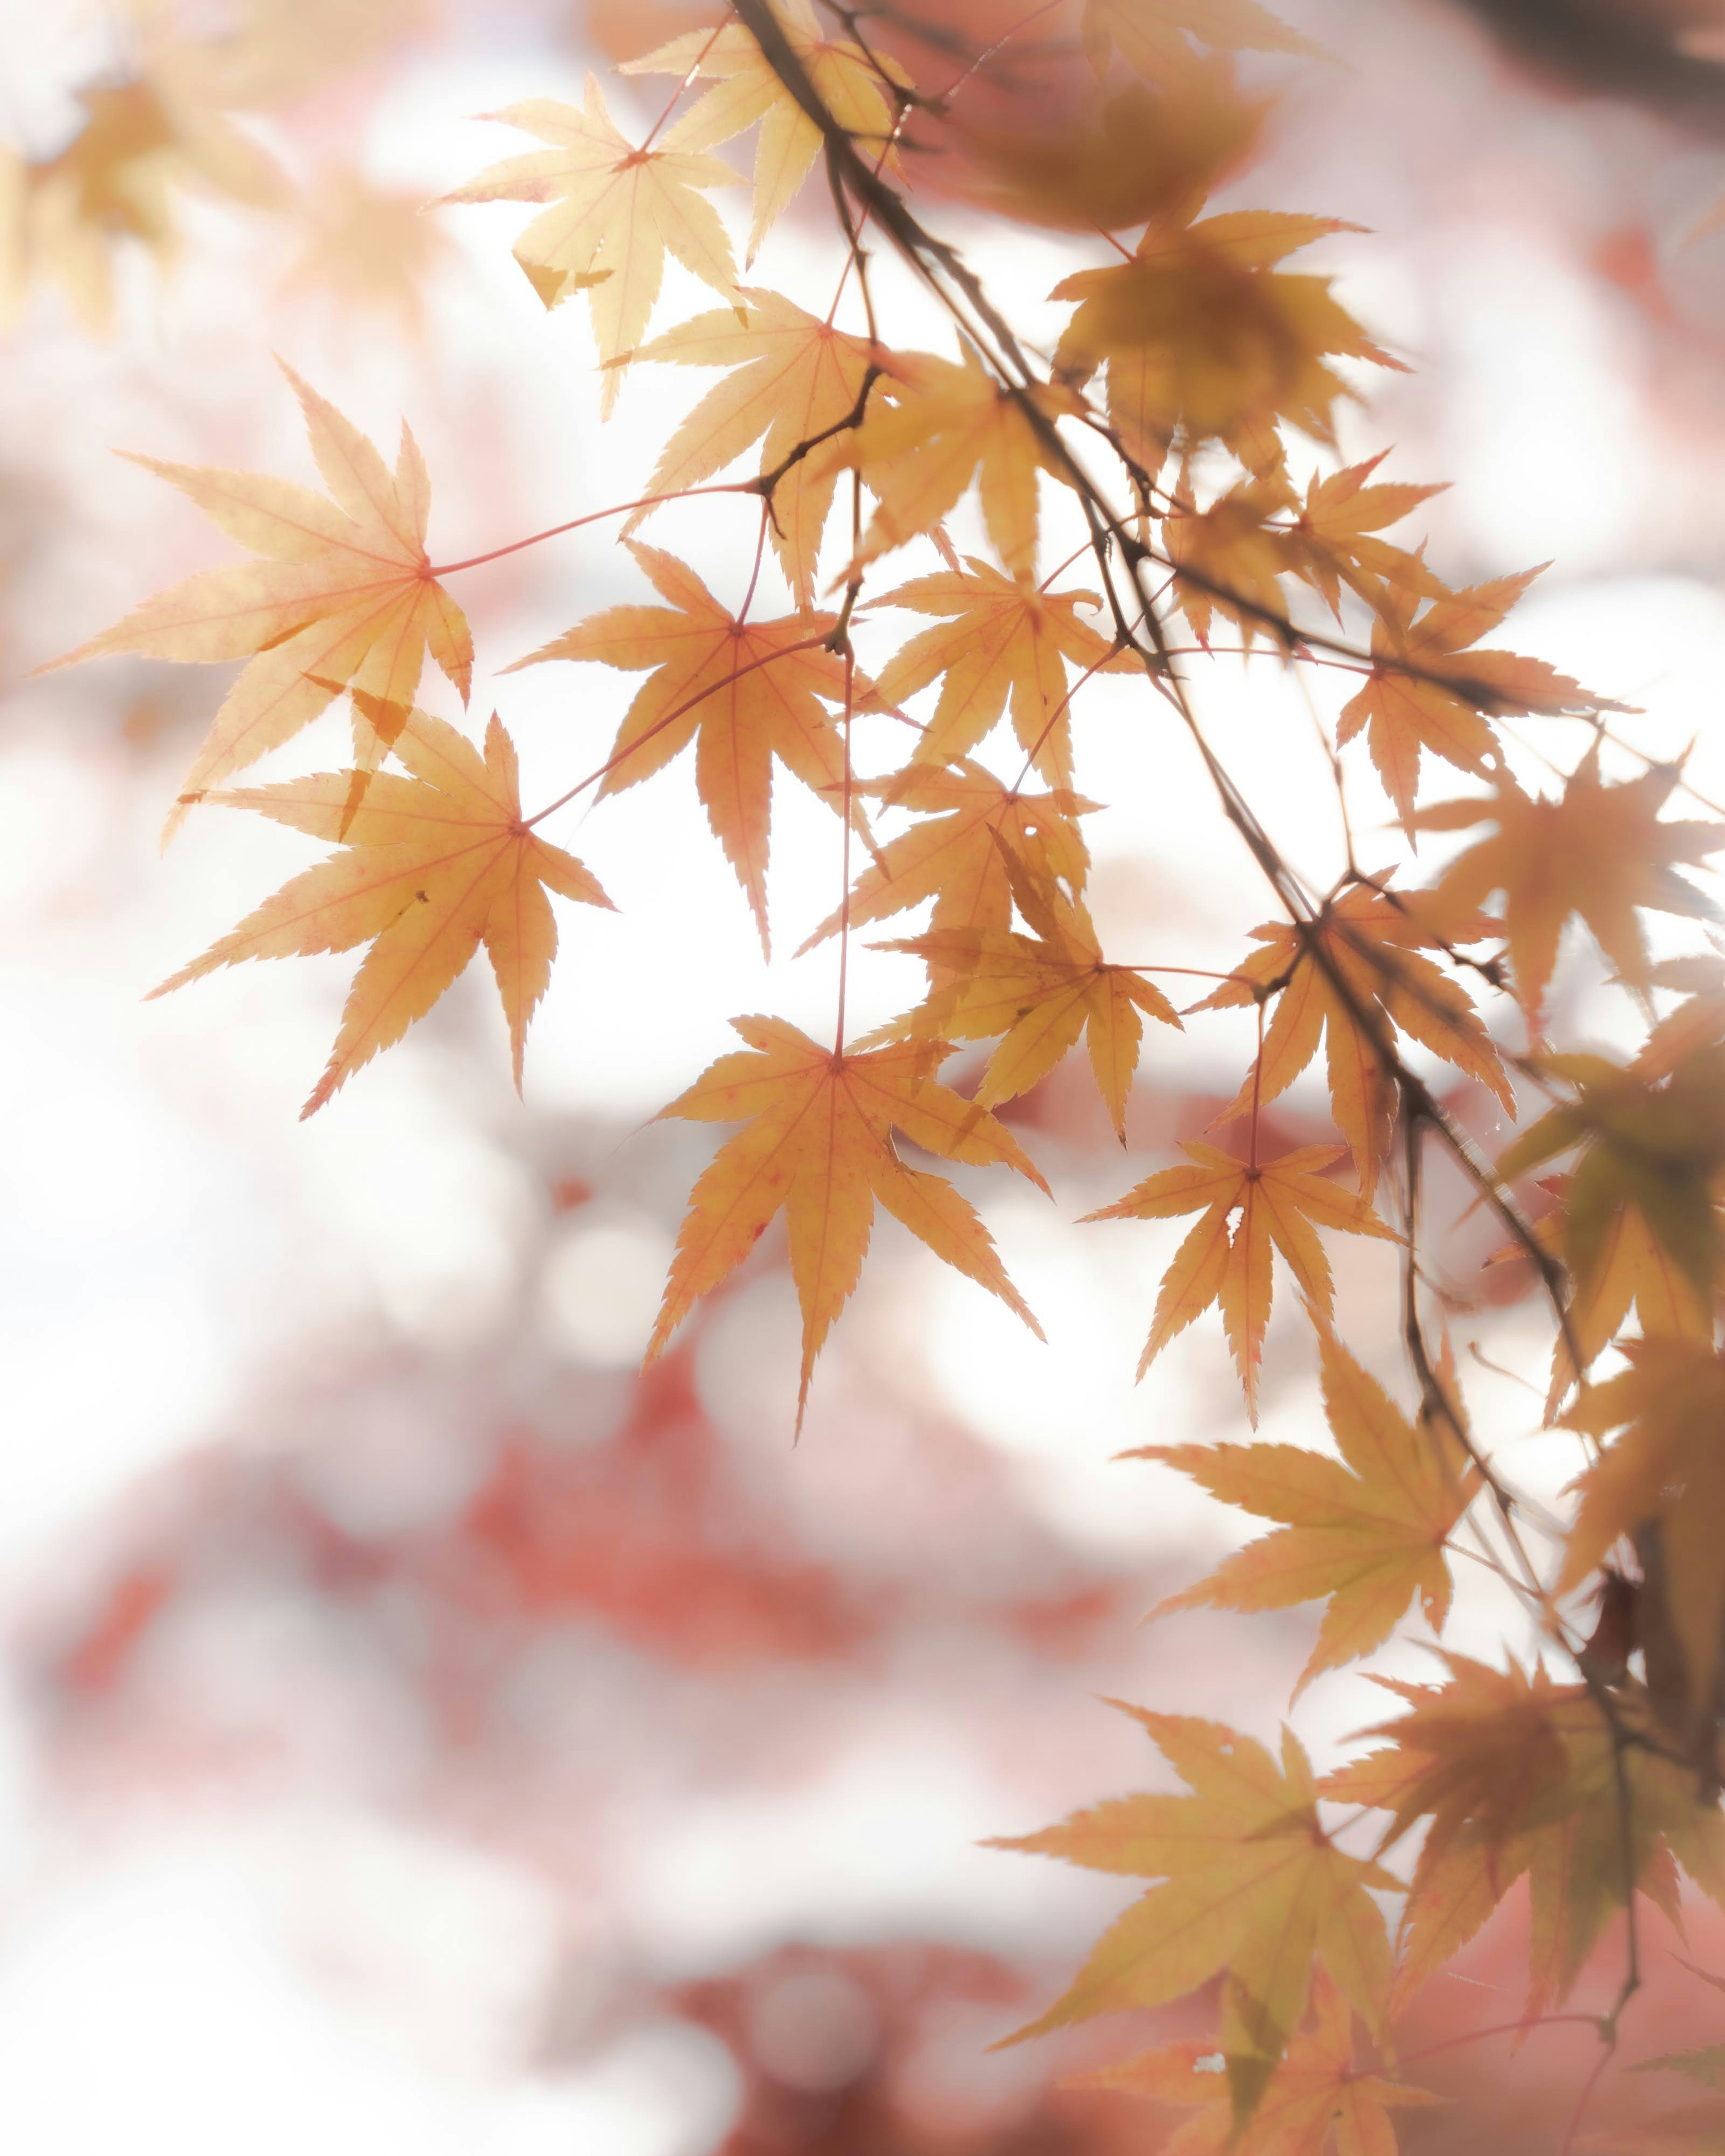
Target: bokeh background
(419, 1731)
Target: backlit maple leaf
(1655, 1147)
(343, 597)
(1372, 940)
(1316, 2089)
(1368, 1530)
(116, 180)
(848, 80)
(615, 210)
(1332, 541)
(1003, 638)
(1601, 852)
(1668, 1468)
(969, 825)
(1283, 1202)
(793, 378)
(370, 248)
(819, 1145)
(1428, 690)
(1150, 35)
(1516, 1774)
(933, 426)
(744, 691)
(1204, 337)
(1252, 1888)
(1041, 991)
(436, 863)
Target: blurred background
(419, 1731)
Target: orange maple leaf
(1252, 1887)
(851, 83)
(1315, 2091)
(1004, 638)
(1601, 852)
(1428, 690)
(1203, 336)
(794, 378)
(1333, 542)
(344, 596)
(615, 210)
(1367, 1532)
(819, 1145)
(746, 692)
(1372, 938)
(970, 824)
(1518, 1774)
(1667, 1467)
(438, 862)
(1040, 992)
(932, 427)
(1283, 1202)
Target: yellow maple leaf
(343, 597)
(848, 80)
(744, 691)
(1367, 1532)
(1332, 538)
(819, 1145)
(969, 825)
(1003, 638)
(615, 210)
(792, 379)
(1601, 852)
(1041, 991)
(1281, 1204)
(115, 181)
(1205, 338)
(436, 863)
(1316, 2090)
(1151, 35)
(1372, 939)
(1252, 1888)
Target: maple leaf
(1667, 1469)
(744, 691)
(1619, 1267)
(819, 1145)
(1003, 638)
(1372, 938)
(1041, 993)
(970, 825)
(1252, 1887)
(1368, 1530)
(1282, 1203)
(1228, 548)
(933, 425)
(115, 180)
(1601, 852)
(436, 863)
(615, 210)
(848, 81)
(1332, 541)
(1146, 151)
(1428, 690)
(1203, 336)
(1653, 1148)
(1151, 35)
(1519, 1775)
(1316, 2089)
(793, 379)
(343, 597)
